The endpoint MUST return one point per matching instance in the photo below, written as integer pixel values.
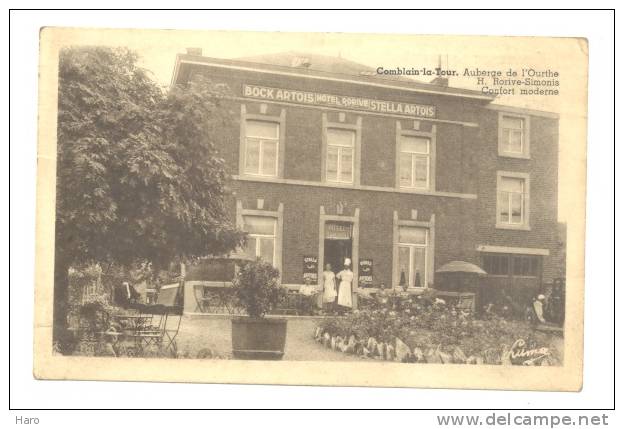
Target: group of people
(538, 310)
(543, 311)
(337, 288)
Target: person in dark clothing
(126, 294)
(555, 310)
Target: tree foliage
(138, 174)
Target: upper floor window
(513, 134)
(261, 148)
(414, 162)
(261, 237)
(513, 199)
(513, 138)
(340, 155)
(412, 261)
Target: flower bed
(429, 331)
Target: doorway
(336, 251)
(338, 244)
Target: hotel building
(330, 161)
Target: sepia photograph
(334, 209)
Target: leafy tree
(138, 175)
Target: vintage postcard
(311, 208)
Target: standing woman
(344, 290)
(329, 286)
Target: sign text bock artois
(339, 101)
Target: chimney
(301, 62)
(194, 51)
(440, 80)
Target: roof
(460, 267)
(321, 63)
(326, 68)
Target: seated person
(382, 295)
(311, 292)
(308, 289)
(488, 310)
(126, 294)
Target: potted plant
(257, 289)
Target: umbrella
(460, 267)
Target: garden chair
(290, 304)
(200, 298)
(170, 311)
(214, 299)
(225, 301)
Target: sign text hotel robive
(338, 101)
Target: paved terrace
(215, 333)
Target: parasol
(460, 267)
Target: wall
(454, 236)
(542, 168)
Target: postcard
(311, 208)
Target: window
(412, 261)
(513, 136)
(414, 162)
(261, 148)
(261, 237)
(502, 264)
(512, 201)
(496, 265)
(525, 266)
(340, 155)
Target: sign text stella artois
(339, 101)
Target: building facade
(400, 177)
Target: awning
(460, 267)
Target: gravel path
(214, 333)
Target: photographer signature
(520, 355)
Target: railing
(221, 300)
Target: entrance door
(338, 244)
(336, 251)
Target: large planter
(258, 338)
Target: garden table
(136, 322)
(131, 327)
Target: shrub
(257, 289)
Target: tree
(138, 175)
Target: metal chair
(200, 298)
(164, 334)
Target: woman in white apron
(329, 286)
(344, 289)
